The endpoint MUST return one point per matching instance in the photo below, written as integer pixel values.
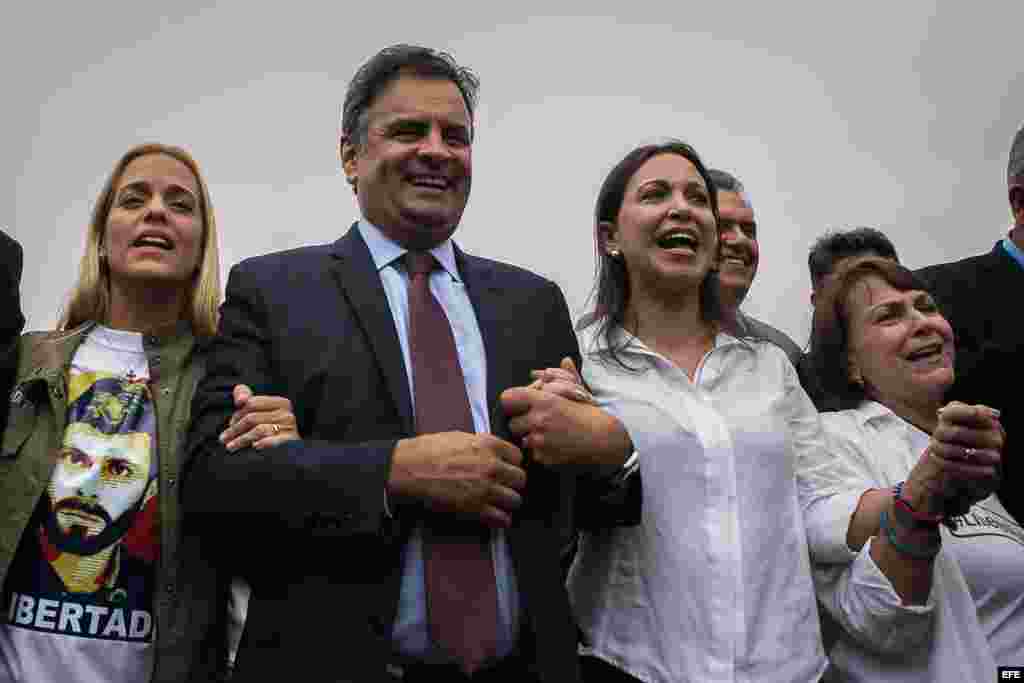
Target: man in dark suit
(980, 296)
(11, 319)
(339, 533)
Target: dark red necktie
(462, 598)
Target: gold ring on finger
(277, 429)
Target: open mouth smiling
(678, 238)
(929, 351)
(734, 259)
(154, 240)
(429, 182)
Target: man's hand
(259, 421)
(560, 431)
(474, 476)
(564, 381)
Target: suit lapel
(1004, 267)
(486, 295)
(360, 283)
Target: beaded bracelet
(921, 517)
(925, 552)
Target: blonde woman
(101, 580)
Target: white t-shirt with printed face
(79, 593)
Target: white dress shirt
(715, 583)
(974, 615)
(410, 632)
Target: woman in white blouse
(702, 573)
(917, 600)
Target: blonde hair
(90, 297)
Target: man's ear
(347, 152)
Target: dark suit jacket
(305, 522)
(981, 297)
(11, 319)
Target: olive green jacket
(190, 596)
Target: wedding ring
(277, 430)
(969, 454)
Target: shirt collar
(594, 342)
(873, 411)
(385, 251)
(868, 411)
(1014, 251)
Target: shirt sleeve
(827, 484)
(862, 600)
(848, 583)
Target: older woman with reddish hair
(921, 567)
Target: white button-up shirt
(715, 583)
(974, 615)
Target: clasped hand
(259, 421)
(962, 462)
(555, 417)
(477, 477)
(481, 477)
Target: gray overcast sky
(897, 115)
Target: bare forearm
(911, 577)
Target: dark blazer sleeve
(11, 319)
(972, 295)
(310, 488)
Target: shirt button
(156, 360)
(166, 391)
(170, 589)
(170, 482)
(152, 340)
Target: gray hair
(837, 245)
(387, 65)
(727, 182)
(1015, 167)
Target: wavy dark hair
(829, 357)
(611, 293)
(386, 66)
(837, 245)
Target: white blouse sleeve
(849, 584)
(827, 486)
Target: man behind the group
(399, 539)
(827, 253)
(739, 255)
(981, 298)
(831, 249)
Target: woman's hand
(961, 464)
(564, 381)
(259, 421)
